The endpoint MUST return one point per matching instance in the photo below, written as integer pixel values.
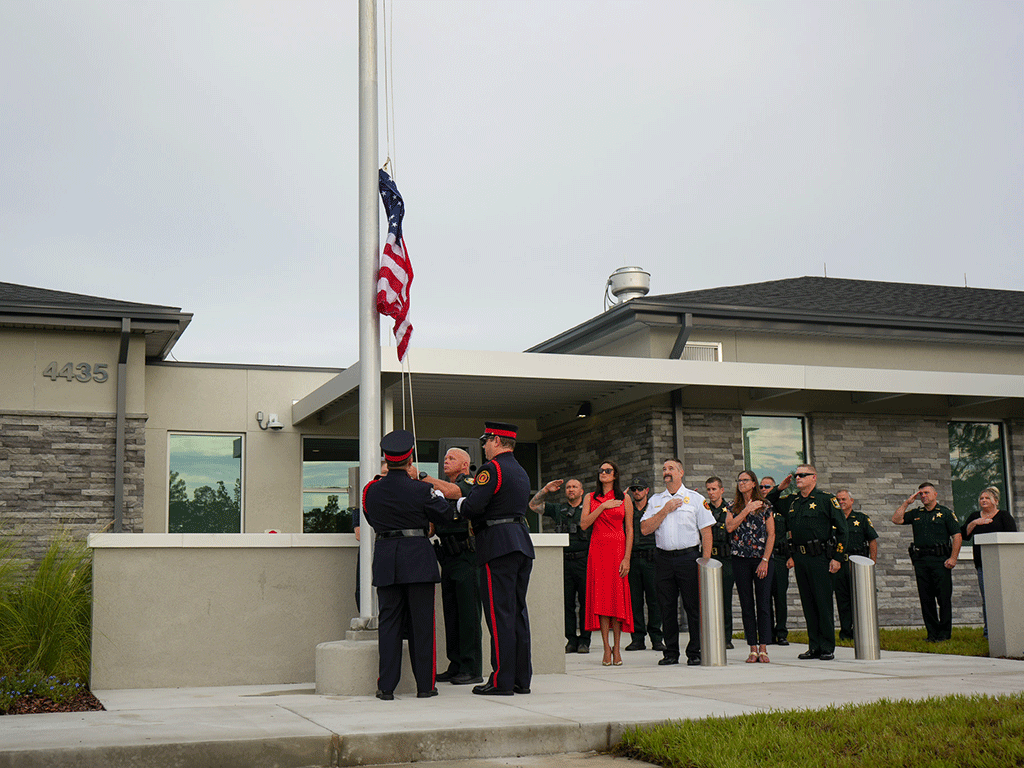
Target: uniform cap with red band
(397, 446)
(499, 429)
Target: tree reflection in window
(202, 470)
(977, 460)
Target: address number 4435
(77, 372)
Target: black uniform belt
(499, 521)
(410, 532)
(722, 551)
(455, 544)
(812, 548)
(644, 554)
(573, 555)
(937, 550)
(684, 551)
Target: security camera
(274, 424)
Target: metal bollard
(712, 620)
(865, 609)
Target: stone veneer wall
(880, 459)
(57, 474)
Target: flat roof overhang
(550, 387)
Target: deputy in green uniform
(777, 606)
(934, 552)
(813, 518)
(861, 540)
(721, 549)
(460, 585)
(643, 575)
(574, 557)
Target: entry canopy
(549, 388)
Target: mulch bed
(33, 705)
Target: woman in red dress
(610, 511)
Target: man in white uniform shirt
(681, 521)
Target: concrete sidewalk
(586, 709)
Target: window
(205, 486)
(977, 459)
(773, 445)
(327, 504)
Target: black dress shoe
(636, 645)
(426, 694)
(520, 689)
(489, 690)
(444, 677)
(827, 656)
(583, 648)
(464, 678)
(657, 645)
(385, 695)
(728, 645)
(668, 660)
(782, 641)
(693, 661)
(809, 654)
(570, 647)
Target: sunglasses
(804, 474)
(766, 486)
(605, 471)
(637, 488)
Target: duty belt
(720, 551)
(644, 554)
(812, 548)
(481, 524)
(409, 532)
(573, 555)
(939, 550)
(456, 544)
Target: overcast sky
(203, 154)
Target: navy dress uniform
(497, 507)
(405, 570)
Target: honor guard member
(460, 587)
(497, 507)
(777, 608)
(721, 548)
(681, 525)
(861, 540)
(643, 577)
(934, 552)
(811, 516)
(574, 557)
(400, 509)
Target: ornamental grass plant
(45, 615)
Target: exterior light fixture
(272, 422)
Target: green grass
(966, 641)
(46, 613)
(968, 731)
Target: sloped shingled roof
(28, 296)
(851, 298)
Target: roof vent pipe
(626, 283)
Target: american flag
(394, 280)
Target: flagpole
(369, 324)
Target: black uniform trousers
(402, 606)
(460, 601)
(935, 589)
(814, 583)
(677, 578)
(503, 584)
(643, 585)
(777, 607)
(574, 584)
(842, 586)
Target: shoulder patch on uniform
(835, 503)
(482, 477)
(707, 504)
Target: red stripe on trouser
(494, 625)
